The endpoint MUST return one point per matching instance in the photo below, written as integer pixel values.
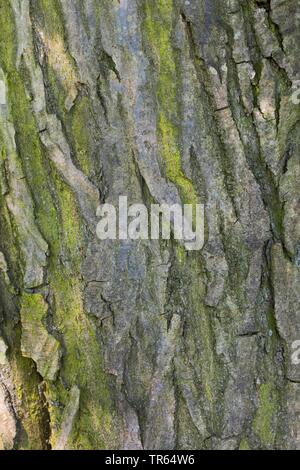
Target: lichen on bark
(131, 345)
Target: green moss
(33, 161)
(52, 15)
(158, 30)
(36, 342)
(172, 158)
(208, 369)
(33, 306)
(202, 342)
(180, 253)
(82, 361)
(59, 221)
(61, 226)
(82, 365)
(188, 436)
(76, 121)
(31, 411)
(10, 245)
(244, 445)
(71, 235)
(80, 133)
(8, 47)
(264, 423)
(57, 92)
(62, 72)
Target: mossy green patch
(10, 245)
(158, 30)
(180, 253)
(172, 158)
(70, 221)
(82, 361)
(61, 65)
(82, 365)
(30, 151)
(36, 342)
(202, 342)
(33, 306)
(32, 411)
(8, 48)
(244, 445)
(59, 221)
(264, 423)
(52, 15)
(80, 133)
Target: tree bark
(141, 344)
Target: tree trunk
(142, 344)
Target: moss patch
(244, 445)
(264, 423)
(158, 30)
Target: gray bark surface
(141, 344)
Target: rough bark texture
(130, 345)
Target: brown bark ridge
(141, 344)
